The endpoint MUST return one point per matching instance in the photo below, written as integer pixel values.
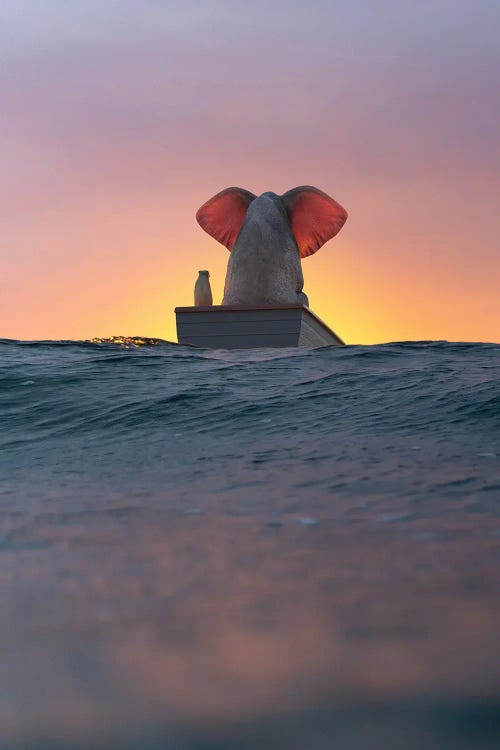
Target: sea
(275, 548)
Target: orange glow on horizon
(126, 274)
(366, 293)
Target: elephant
(267, 236)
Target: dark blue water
(261, 548)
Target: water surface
(268, 548)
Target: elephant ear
(314, 217)
(223, 215)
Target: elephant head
(267, 236)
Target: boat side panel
(239, 329)
(248, 328)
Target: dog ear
(314, 217)
(223, 215)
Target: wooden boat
(242, 327)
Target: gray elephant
(267, 236)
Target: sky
(119, 118)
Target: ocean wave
(54, 389)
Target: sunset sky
(119, 118)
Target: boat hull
(242, 327)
